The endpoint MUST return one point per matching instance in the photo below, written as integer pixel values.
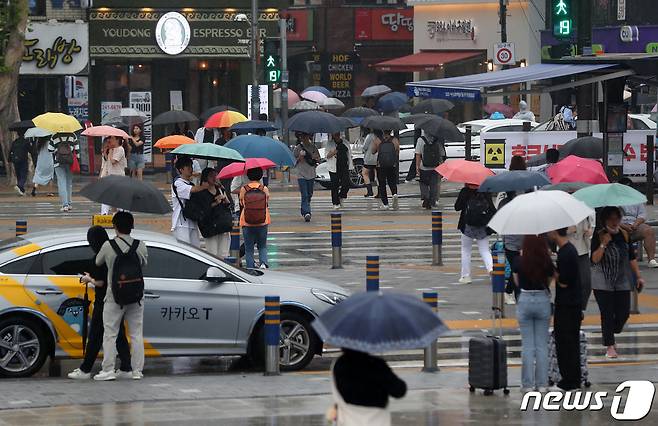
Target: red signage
(300, 25)
(384, 24)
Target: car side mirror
(216, 275)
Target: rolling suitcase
(487, 363)
(554, 375)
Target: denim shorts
(136, 161)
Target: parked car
(194, 303)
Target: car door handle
(151, 296)
(49, 291)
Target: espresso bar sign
(165, 33)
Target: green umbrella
(610, 194)
(208, 151)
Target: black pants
(95, 342)
(585, 272)
(615, 307)
(567, 344)
(429, 187)
(340, 185)
(387, 175)
(20, 168)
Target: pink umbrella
(317, 97)
(506, 110)
(464, 171)
(293, 98)
(576, 169)
(105, 131)
(239, 169)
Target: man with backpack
(430, 152)
(255, 217)
(184, 217)
(124, 257)
(65, 148)
(387, 149)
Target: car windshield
(475, 128)
(12, 243)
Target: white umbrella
(304, 106)
(332, 103)
(37, 132)
(539, 212)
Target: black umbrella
(432, 106)
(585, 147)
(127, 194)
(380, 122)
(359, 112)
(315, 122)
(417, 119)
(251, 126)
(210, 111)
(173, 117)
(442, 129)
(21, 125)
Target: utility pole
(584, 94)
(503, 32)
(283, 28)
(255, 51)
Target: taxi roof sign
(104, 220)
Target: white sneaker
(63, 209)
(342, 203)
(18, 191)
(104, 376)
(509, 299)
(78, 374)
(383, 207)
(546, 389)
(652, 263)
(465, 280)
(137, 375)
(120, 374)
(336, 206)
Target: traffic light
(562, 18)
(272, 60)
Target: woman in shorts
(136, 159)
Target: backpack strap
(132, 247)
(173, 187)
(115, 247)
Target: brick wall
(62, 10)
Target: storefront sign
(340, 73)
(172, 33)
(299, 25)
(141, 101)
(78, 104)
(470, 95)
(629, 33)
(212, 33)
(55, 49)
(453, 29)
(384, 24)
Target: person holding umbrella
(216, 219)
(613, 265)
(97, 276)
(136, 151)
(44, 168)
(185, 229)
(307, 158)
(64, 147)
(114, 162)
(339, 164)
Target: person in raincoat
(524, 112)
(361, 386)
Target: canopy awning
(469, 87)
(426, 60)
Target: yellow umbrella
(57, 122)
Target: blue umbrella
(375, 322)
(315, 122)
(252, 126)
(320, 89)
(514, 180)
(253, 146)
(391, 102)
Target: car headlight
(328, 296)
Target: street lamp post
(255, 88)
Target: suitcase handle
(497, 312)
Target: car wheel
(296, 344)
(356, 177)
(23, 347)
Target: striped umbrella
(224, 119)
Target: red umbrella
(576, 169)
(239, 169)
(464, 171)
(506, 110)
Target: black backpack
(189, 210)
(127, 278)
(479, 210)
(386, 155)
(433, 154)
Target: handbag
(75, 166)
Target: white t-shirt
(110, 168)
(184, 190)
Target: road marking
(159, 385)
(471, 313)
(20, 402)
(190, 390)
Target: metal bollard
(21, 227)
(430, 364)
(272, 334)
(437, 238)
(234, 251)
(372, 273)
(336, 241)
(498, 286)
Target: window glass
(506, 129)
(68, 261)
(164, 263)
(638, 125)
(19, 267)
(37, 7)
